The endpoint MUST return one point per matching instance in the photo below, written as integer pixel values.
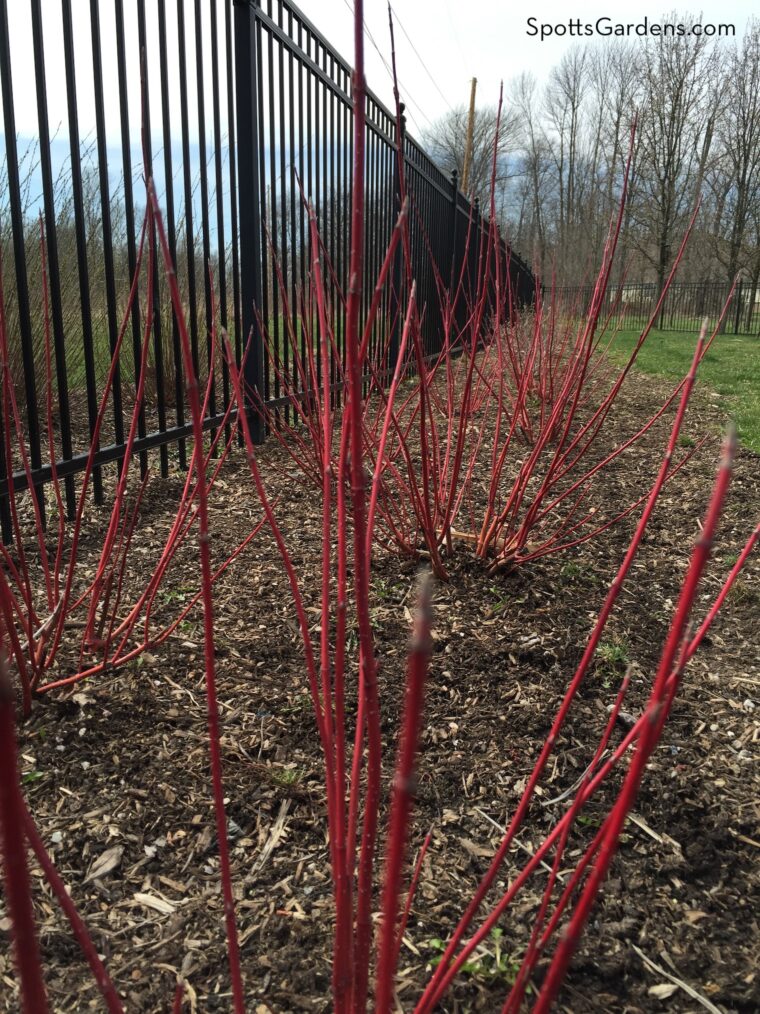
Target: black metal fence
(238, 108)
(685, 306)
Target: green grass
(731, 368)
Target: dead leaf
(157, 904)
(475, 850)
(663, 990)
(105, 863)
(694, 915)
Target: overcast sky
(453, 40)
(456, 40)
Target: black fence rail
(685, 306)
(240, 110)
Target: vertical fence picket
(205, 224)
(396, 308)
(155, 310)
(238, 347)
(171, 226)
(109, 267)
(221, 252)
(293, 197)
(53, 266)
(129, 214)
(81, 237)
(187, 180)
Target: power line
(424, 65)
(407, 94)
(455, 35)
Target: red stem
(18, 890)
(651, 730)
(208, 617)
(432, 991)
(403, 797)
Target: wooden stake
(468, 145)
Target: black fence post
(396, 301)
(738, 298)
(751, 303)
(6, 527)
(454, 219)
(474, 279)
(249, 215)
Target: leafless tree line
(562, 149)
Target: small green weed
(614, 657)
(486, 963)
(500, 599)
(288, 776)
(614, 654)
(572, 572)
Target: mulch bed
(116, 772)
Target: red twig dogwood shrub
(354, 498)
(499, 440)
(15, 822)
(353, 794)
(62, 626)
(353, 832)
(15, 872)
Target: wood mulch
(116, 772)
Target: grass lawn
(731, 368)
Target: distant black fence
(243, 106)
(685, 306)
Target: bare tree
(677, 123)
(445, 142)
(616, 86)
(563, 102)
(563, 150)
(534, 163)
(736, 179)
